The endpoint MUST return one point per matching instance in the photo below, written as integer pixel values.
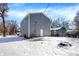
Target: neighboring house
(60, 31)
(72, 33)
(35, 24)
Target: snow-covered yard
(10, 38)
(44, 46)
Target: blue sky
(17, 11)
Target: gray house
(35, 25)
(60, 31)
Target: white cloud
(22, 13)
(17, 13)
(69, 12)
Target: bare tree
(65, 23)
(76, 20)
(13, 27)
(3, 11)
(60, 22)
(56, 23)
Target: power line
(46, 8)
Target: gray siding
(24, 26)
(37, 21)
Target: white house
(35, 25)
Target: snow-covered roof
(69, 30)
(56, 28)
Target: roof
(72, 30)
(69, 30)
(34, 13)
(37, 13)
(56, 28)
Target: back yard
(44, 46)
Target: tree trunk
(3, 26)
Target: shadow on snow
(10, 39)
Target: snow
(41, 46)
(10, 38)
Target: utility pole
(29, 25)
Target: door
(41, 32)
